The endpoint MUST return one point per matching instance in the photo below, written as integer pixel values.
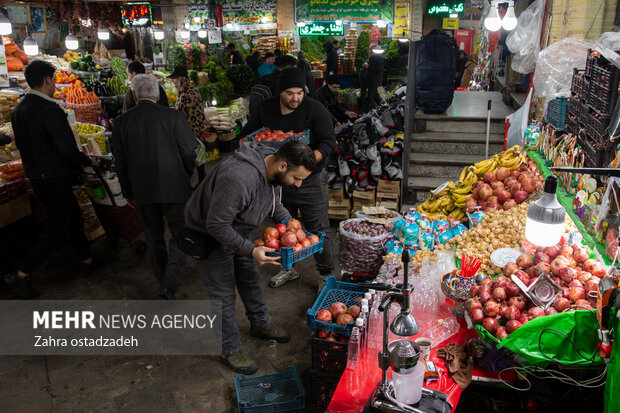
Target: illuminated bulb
(31, 47)
(265, 19)
(196, 19)
(214, 102)
(545, 217)
(5, 25)
(184, 33)
(228, 26)
(158, 34)
(378, 50)
(202, 33)
(338, 22)
(381, 23)
(509, 22)
(403, 39)
(71, 42)
(493, 22)
(103, 34)
(454, 16)
(301, 24)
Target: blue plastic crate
(301, 136)
(333, 292)
(279, 392)
(556, 113)
(290, 257)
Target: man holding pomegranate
(234, 198)
(293, 111)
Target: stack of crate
(362, 199)
(339, 205)
(388, 194)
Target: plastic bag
(524, 40)
(518, 123)
(395, 215)
(361, 246)
(554, 67)
(609, 40)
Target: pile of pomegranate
(504, 189)
(501, 307)
(286, 236)
(338, 313)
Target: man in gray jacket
(155, 154)
(233, 199)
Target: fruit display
(339, 314)
(79, 95)
(8, 101)
(361, 246)
(290, 235)
(70, 56)
(117, 85)
(16, 59)
(84, 64)
(96, 132)
(64, 78)
(452, 199)
(57, 62)
(501, 307)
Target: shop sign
(136, 14)
(438, 7)
(249, 11)
(349, 10)
(322, 29)
(401, 18)
(450, 24)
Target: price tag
(374, 210)
(380, 221)
(450, 24)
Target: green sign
(349, 10)
(322, 29)
(249, 11)
(435, 8)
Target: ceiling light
(158, 34)
(509, 22)
(71, 42)
(5, 25)
(103, 34)
(381, 23)
(31, 47)
(202, 33)
(493, 22)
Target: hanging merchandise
(524, 41)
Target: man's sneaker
(283, 277)
(271, 332)
(22, 285)
(239, 362)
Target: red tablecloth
(356, 386)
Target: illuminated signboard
(322, 29)
(437, 8)
(136, 14)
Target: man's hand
(259, 255)
(243, 140)
(318, 155)
(132, 202)
(350, 114)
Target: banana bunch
(488, 165)
(512, 158)
(442, 204)
(464, 187)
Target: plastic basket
(556, 113)
(329, 357)
(577, 83)
(333, 292)
(279, 392)
(85, 113)
(290, 257)
(594, 154)
(99, 138)
(598, 129)
(302, 136)
(322, 388)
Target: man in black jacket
(328, 96)
(52, 162)
(374, 78)
(155, 154)
(291, 110)
(137, 68)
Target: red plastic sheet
(356, 386)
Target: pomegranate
(524, 319)
(474, 290)
(322, 333)
(324, 315)
(500, 281)
(491, 308)
(489, 177)
(520, 196)
(529, 185)
(575, 283)
(297, 247)
(501, 333)
(512, 326)
(567, 274)
(497, 186)
(293, 225)
(511, 313)
(484, 297)
(503, 196)
(471, 304)
(584, 277)
(344, 319)
(502, 173)
(485, 288)
(552, 252)
(561, 304)
(566, 251)
(300, 234)
(576, 293)
(541, 267)
(580, 254)
(288, 239)
(471, 204)
(517, 301)
(485, 281)
(599, 270)
(589, 265)
(565, 291)
(492, 201)
(474, 193)
(559, 263)
(270, 232)
(581, 304)
(354, 311)
(272, 243)
(510, 269)
(591, 285)
(535, 312)
(511, 203)
(541, 257)
(524, 261)
(522, 275)
(477, 316)
(281, 228)
(512, 289)
(306, 243)
(490, 324)
(485, 192)
(337, 309)
(313, 239)
(551, 311)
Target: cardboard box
(368, 196)
(359, 203)
(339, 213)
(336, 194)
(388, 186)
(14, 210)
(388, 195)
(345, 203)
(393, 205)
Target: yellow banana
(460, 198)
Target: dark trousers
(64, 219)
(312, 202)
(224, 271)
(168, 264)
(373, 99)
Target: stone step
(440, 165)
(457, 143)
(418, 187)
(460, 126)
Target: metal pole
(486, 150)
(409, 118)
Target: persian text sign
(350, 10)
(401, 18)
(249, 11)
(111, 327)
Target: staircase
(443, 144)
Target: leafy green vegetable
(193, 76)
(242, 77)
(313, 48)
(363, 46)
(177, 57)
(220, 74)
(196, 56)
(119, 68)
(117, 85)
(210, 69)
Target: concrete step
(418, 187)
(440, 165)
(457, 143)
(460, 126)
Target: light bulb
(381, 23)
(184, 33)
(103, 34)
(5, 25)
(454, 15)
(228, 26)
(202, 33)
(214, 102)
(31, 47)
(301, 24)
(545, 217)
(338, 22)
(403, 39)
(71, 42)
(377, 50)
(509, 22)
(493, 22)
(196, 19)
(265, 19)
(158, 34)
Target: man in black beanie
(291, 110)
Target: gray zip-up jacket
(234, 198)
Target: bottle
(353, 348)
(363, 302)
(374, 329)
(361, 325)
(364, 315)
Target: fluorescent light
(31, 47)
(184, 33)
(71, 42)
(454, 16)
(378, 50)
(301, 24)
(5, 25)
(338, 22)
(493, 22)
(509, 22)
(158, 34)
(103, 34)
(403, 39)
(214, 102)
(381, 23)
(228, 26)
(202, 33)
